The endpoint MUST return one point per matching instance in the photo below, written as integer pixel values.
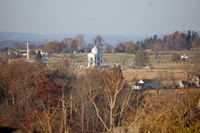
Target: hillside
(9, 43)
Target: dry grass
(168, 111)
(153, 73)
(163, 57)
(107, 56)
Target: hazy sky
(120, 17)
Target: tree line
(34, 98)
(176, 41)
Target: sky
(115, 17)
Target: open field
(107, 56)
(162, 56)
(159, 70)
(171, 52)
(164, 75)
(161, 74)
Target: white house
(138, 85)
(184, 56)
(146, 84)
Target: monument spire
(95, 43)
(27, 56)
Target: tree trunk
(82, 115)
(49, 125)
(64, 111)
(111, 120)
(70, 107)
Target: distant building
(3, 52)
(183, 57)
(147, 84)
(95, 58)
(147, 67)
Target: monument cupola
(95, 50)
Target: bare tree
(18, 45)
(189, 69)
(109, 90)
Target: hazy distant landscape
(8, 38)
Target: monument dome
(95, 50)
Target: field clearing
(171, 52)
(162, 56)
(169, 65)
(139, 74)
(159, 70)
(175, 94)
(162, 74)
(118, 56)
(107, 56)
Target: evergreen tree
(188, 36)
(154, 40)
(38, 56)
(141, 58)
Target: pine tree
(38, 56)
(188, 36)
(141, 58)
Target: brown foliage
(45, 86)
(75, 44)
(98, 39)
(41, 46)
(65, 63)
(54, 47)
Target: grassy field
(107, 56)
(162, 74)
(171, 52)
(162, 56)
(160, 70)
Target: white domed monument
(95, 58)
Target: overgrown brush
(176, 113)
